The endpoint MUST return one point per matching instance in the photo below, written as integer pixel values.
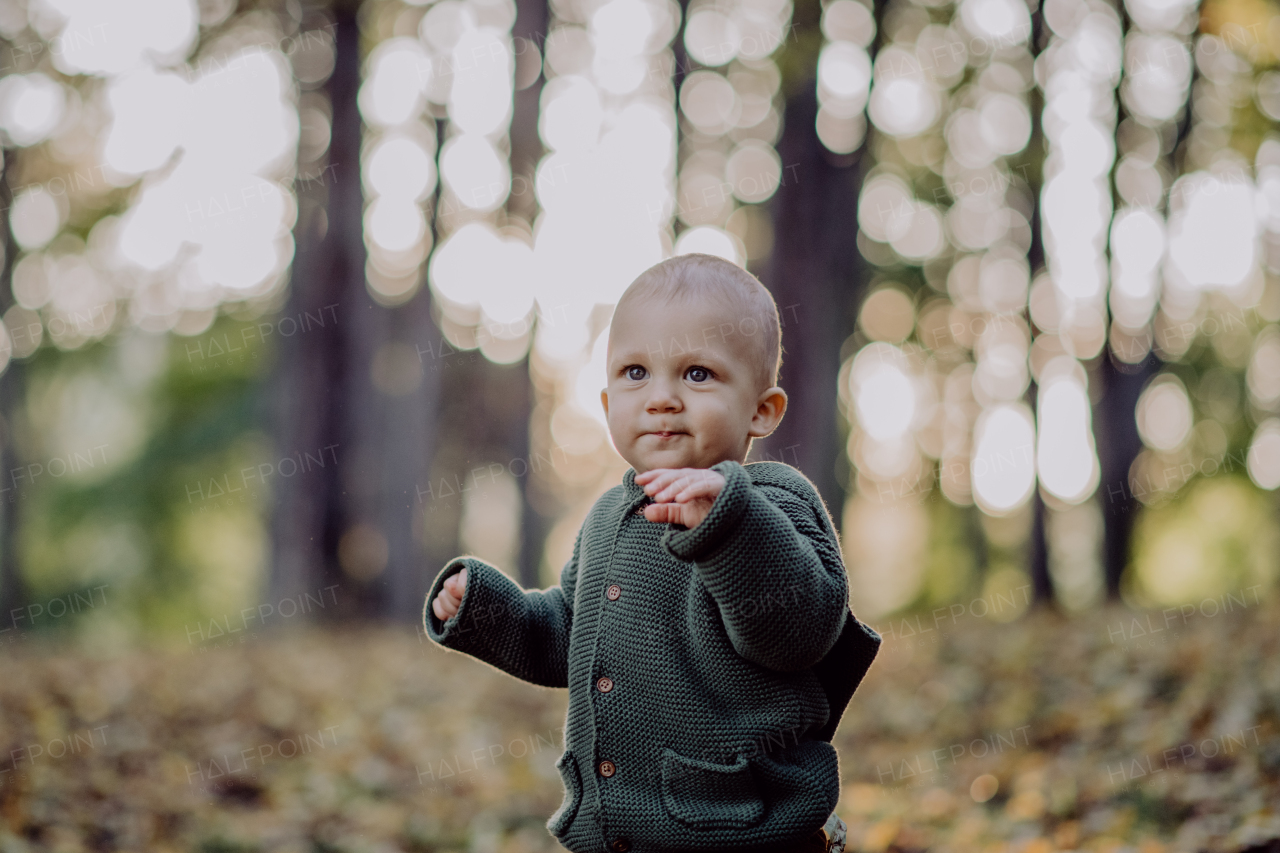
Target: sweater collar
(633, 493)
(634, 490)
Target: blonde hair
(684, 278)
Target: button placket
(604, 684)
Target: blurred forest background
(302, 299)
(310, 297)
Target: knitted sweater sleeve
(522, 632)
(776, 575)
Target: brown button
(613, 592)
(620, 845)
(607, 769)
(604, 685)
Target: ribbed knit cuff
(450, 632)
(693, 544)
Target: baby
(702, 624)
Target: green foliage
(149, 522)
(952, 571)
(1218, 535)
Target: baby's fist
(450, 598)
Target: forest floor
(1113, 732)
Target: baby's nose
(663, 397)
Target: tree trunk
(13, 589)
(1116, 427)
(345, 391)
(817, 278)
(1038, 552)
(1038, 543)
(526, 150)
(1115, 414)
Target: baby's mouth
(666, 435)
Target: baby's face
(681, 392)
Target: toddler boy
(702, 624)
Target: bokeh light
(1164, 413)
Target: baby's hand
(680, 495)
(450, 598)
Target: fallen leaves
(1157, 737)
(1036, 736)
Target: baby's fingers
(660, 479)
(442, 609)
(447, 602)
(698, 484)
(662, 513)
(449, 599)
(671, 484)
(671, 513)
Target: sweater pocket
(563, 816)
(704, 795)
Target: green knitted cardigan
(707, 668)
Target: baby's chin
(647, 461)
(670, 459)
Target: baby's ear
(770, 410)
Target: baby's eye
(699, 374)
(631, 372)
